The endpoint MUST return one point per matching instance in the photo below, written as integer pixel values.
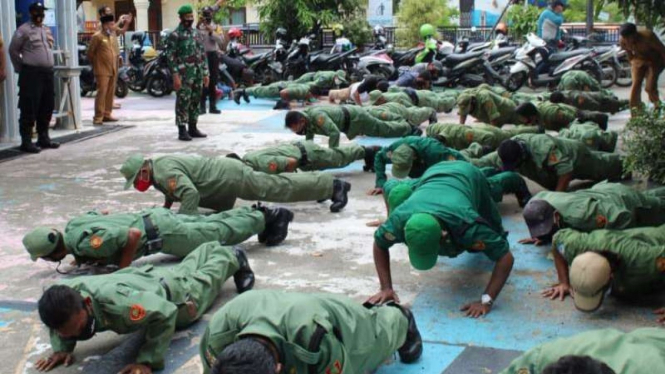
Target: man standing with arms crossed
(187, 62)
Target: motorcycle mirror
(389, 47)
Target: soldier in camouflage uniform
(461, 137)
(595, 101)
(592, 136)
(187, 61)
(304, 88)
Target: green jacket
(555, 117)
(461, 136)
(458, 194)
(490, 108)
(429, 152)
(592, 136)
(641, 251)
(636, 352)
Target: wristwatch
(486, 300)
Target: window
(236, 17)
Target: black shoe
(370, 153)
(340, 196)
(183, 134)
(28, 147)
(195, 133)
(433, 118)
(416, 131)
(600, 118)
(47, 143)
(236, 96)
(245, 96)
(202, 109)
(412, 348)
(244, 276)
(214, 110)
(234, 156)
(486, 149)
(523, 195)
(277, 225)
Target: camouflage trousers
(188, 101)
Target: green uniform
(636, 352)
(489, 108)
(216, 183)
(95, 237)
(441, 102)
(134, 299)
(590, 134)
(521, 97)
(459, 196)
(428, 152)
(555, 117)
(397, 96)
(461, 136)
(596, 101)
(550, 158)
(607, 206)
(641, 251)
(357, 340)
(415, 116)
(330, 121)
(275, 160)
(297, 91)
(577, 80)
(186, 57)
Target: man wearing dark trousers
(212, 43)
(32, 57)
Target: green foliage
(650, 13)
(414, 13)
(644, 141)
(576, 11)
(225, 11)
(358, 30)
(522, 20)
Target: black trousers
(36, 101)
(210, 92)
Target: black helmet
(539, 217)
(281, 33)
(138, 36)
(207, 11)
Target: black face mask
(187, 23)
(302, 132)
(89, 330)
(37, 17)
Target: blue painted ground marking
(255, 104)
(47, 187)
(435, 358)
(4, 322)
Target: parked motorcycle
(87, 76)
(377, 63)
(403, 59)
(297, 60)
(160, 80)
(466, 69)
(346, 61)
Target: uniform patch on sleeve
(469, 137)
(272, 166)
(523, 371)
(384, 116)
(553, 157)
(478, 245)
(335, 369)
(136, 312)
(660, 264)
(589, 141)
(96, 241)
(601, 221)
(451, 158)
(172, 183)
(320, 121)
(580, 100)
(389, 236)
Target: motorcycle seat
(325, 57)
(560, 56)
(397, 55)
(501, 52)
(602, 50)
(456, 58)
(252, 59)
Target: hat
(402, 159)
(398, 195)
(185, 9)
(510, 153)
(41, 242)
(422, 234)
(341, 74)
(36, 6)
(107, 18)
(130, 168)
(539, 217)
(590, 274)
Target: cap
(510, 153)
(590, 275)
(130, 168)
(341, 74)
(398, 195)
(185, 9)
(539, 217)
(402, 159)
(36, 6)
(41, 242)
(422, 234)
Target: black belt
(347, 119)
(315, 343)
(413, 95)
(154, 243)
(304, 161)
(166, 288)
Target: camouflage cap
(41, 242)
(422, 234)
(185, 9)
(402, 159)
(130, 168)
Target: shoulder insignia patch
(320, 121)
(553, 157)
(96, 241)
(136, 312)
(660, 264)
(451, 158)
(523, 371)
(389, 236)
(469, 136)
(272, 166)
(384, 116)
(580, 100)
(335, 369)
(173, 183)
(589, 141)
(478, 245)
(601, 221)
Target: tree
(522, 20)
(358, 30)
(576, 11)
(414, 13)
(650, 13)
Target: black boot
(234, 156)
(486, 149)
(599, 118)
(28, 147)
(433, 118)
(245, 96)
(183, 135)
(195, 133)
(237, 94)
(370, 153)
(244, 276)
(340, 195)
(213, 108)
(416, 131)
(25, 129)
(412, 348)
(276, 225)
(44, 142)
(522, 194)
(202, 109)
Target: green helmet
(427, 30)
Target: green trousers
(439, 102)
(414, 115)
(599, 166)
(461, 136)
(182, 233)
(195, 283)
(590, 134)
(188, 101)
(276, 159)
(296, 91)
(363, 123)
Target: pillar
(142, 14)
(68, 41)
(9, 89)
